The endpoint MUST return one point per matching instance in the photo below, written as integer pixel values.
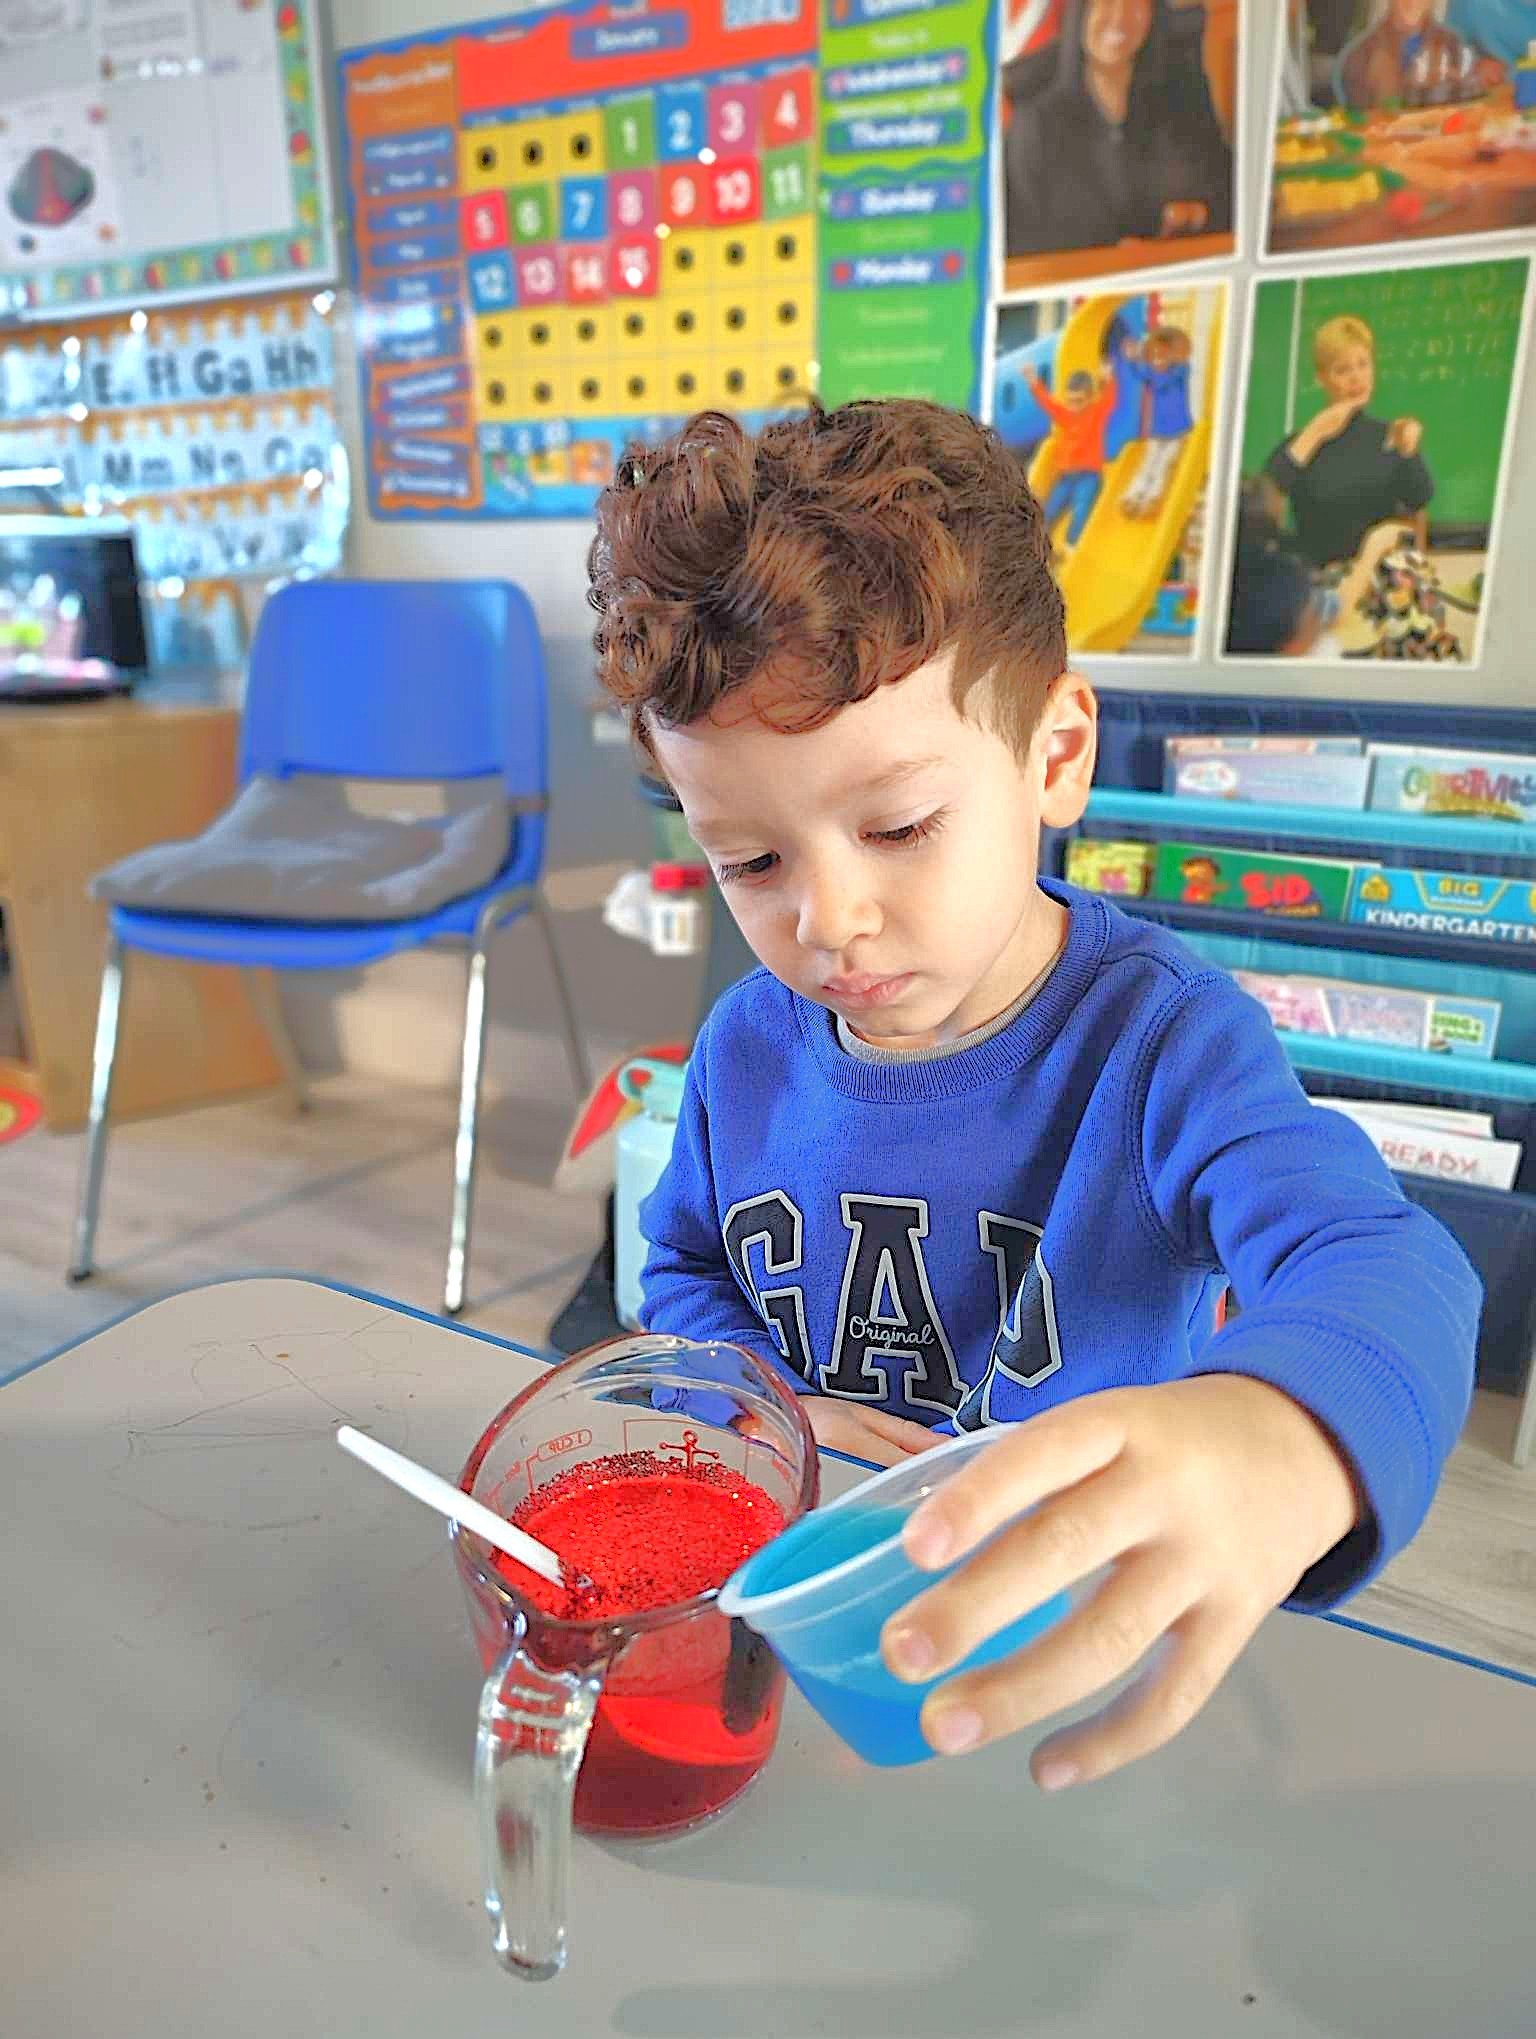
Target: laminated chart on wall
(572, 230)
(154, 151)
(213, 430)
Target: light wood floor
(356, 1191)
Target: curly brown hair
(839, 549)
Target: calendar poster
(572, 230)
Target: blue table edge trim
(548, 1358)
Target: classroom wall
(552, 556)
(407, 1023)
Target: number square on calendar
(531, 214)
(491, 284)
(586, 274)
(483, 221)
(787, 108)
(583, 208)
(633, 270)
(735, 191)
(682, 122)
(632, 203)
(540, 275)
(786, 182)
(684, 195)
(732, 118)
(631, 125)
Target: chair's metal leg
(103, 1061)
(464, 1143)
(267, 999)
(575, 1047)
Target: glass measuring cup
(637, 1725)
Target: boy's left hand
(1207, 1499)
(884, 1440)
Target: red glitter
(640, 1532)
(690, 1706)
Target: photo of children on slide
(1402, 120)
(1118, 124)
(1110, 401)
(1375, 442)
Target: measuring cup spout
(533, 1731)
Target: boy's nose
(834, 913)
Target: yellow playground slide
(1111, 578)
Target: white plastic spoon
(453, 1502)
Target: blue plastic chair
(399, 680)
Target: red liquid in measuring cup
(689, 1711)
(646, 1533)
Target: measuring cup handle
(533, 1730)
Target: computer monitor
(71, 619)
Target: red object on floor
(20, 1111)
(587, 1161)
(679, 877)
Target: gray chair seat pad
(292, 849)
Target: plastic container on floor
(644, 1148)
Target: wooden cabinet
(80, 786)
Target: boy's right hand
(841, 1425)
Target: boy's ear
(1068, 745)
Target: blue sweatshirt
(972, 1238)
(1165, 412)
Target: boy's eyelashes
(911, 832)
(734, 874)
(907, 837)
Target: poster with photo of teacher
(1373, 455)
(1119, 128)
(1400, 121)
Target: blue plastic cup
(821, 1593)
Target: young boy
(1161, 366)
(975, 1147)
(1079, 419)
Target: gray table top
(234, 1774)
